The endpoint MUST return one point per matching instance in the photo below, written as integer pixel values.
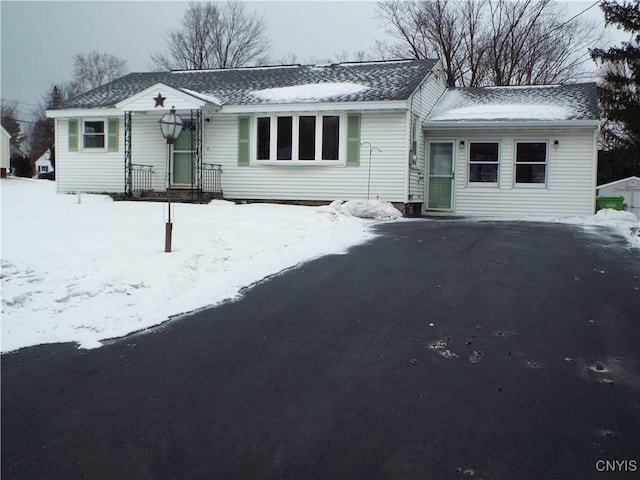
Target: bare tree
(491, 41)
(288, 59)
(94, 69)
(215, 36)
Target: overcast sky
(40, 38)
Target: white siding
(570, 176)
(385, 130)
(421, 103)
(4, 149)
(88, 170)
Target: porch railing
(141, 179)
(211, 178)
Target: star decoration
(160, 100)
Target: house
(317, 133)
(5, 142)
(629, 188)
(43, 163)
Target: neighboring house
(628, 187)
(43, 163)
(317, 133)
(5, 142)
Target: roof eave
(316, 106)
(84, 112)
(509, 124)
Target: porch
(208, 187)
(189, 178)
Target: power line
(583, 11)
(19, 121)
(22, 82)
(23, 103)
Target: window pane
(481, 152)
(441, 159)
(530, 173)
(94, 141)
(307, 138)
(285, 126)
(483, 172)
(531, 152)
(94, 127)
(330, 137)
(184, 140)
(264, 138)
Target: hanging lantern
(171, 125)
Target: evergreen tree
(42, 135)
(619, 93)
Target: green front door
(183, 155)
(440, 176)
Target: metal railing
(211, 178)
(141, 179)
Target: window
(330, 137)
(285, 138)
(264, 138)
(307, 138)
(483, 162)
(298, 138)
(531, 162)
(93, 134)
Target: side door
(440, 185)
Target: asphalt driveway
(440, 350)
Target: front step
(178, 195)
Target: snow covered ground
(85, 268)
(625, 224)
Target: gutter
(509, 125)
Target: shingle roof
(544, 102)
(388, 80)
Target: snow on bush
(375, 209)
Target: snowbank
(375, 209)
(625, 223)
(86, 268)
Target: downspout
(596, 136)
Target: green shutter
(353, 140)
(112, 132)
(73, 135)
(243, 141)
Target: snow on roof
(505, 112)
(203, 96)
(535, 102)
(313, 91)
